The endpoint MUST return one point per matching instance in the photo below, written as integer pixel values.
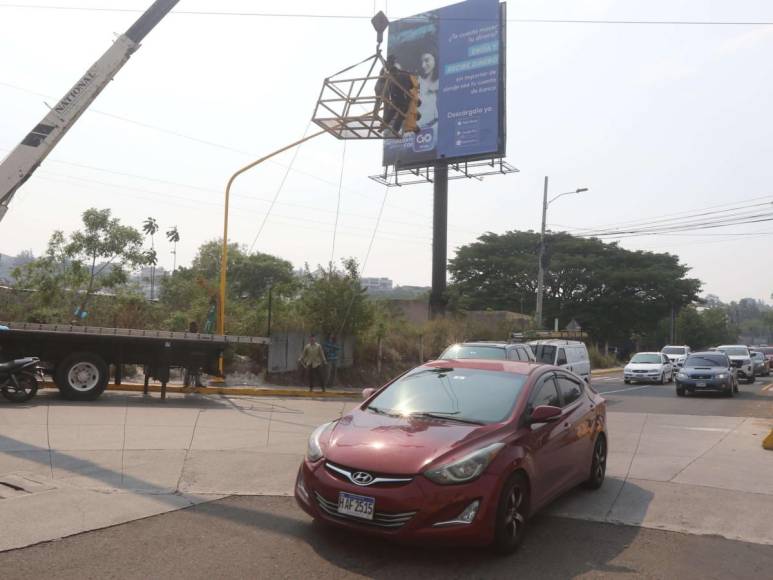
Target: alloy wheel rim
(600, 459)
(514, 519)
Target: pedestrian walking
(331, 349)
(313, 360)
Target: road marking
(628, 389)
(767, 387)
(719, 429)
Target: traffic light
(412, 115)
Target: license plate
(358, 506)
(700, 384)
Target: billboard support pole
(437, 299)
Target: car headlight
(722, 376)
(681, 376)
(465, 469)
(314, 449)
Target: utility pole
(541, 267)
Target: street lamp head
(581, 190)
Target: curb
(230, 391)
(606, 371)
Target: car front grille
(347, 474)
(380, 519)
(705, 377)
(736, 363)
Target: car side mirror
(545, 414)
(366, 393)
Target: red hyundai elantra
(457, 450)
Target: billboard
(458, 54)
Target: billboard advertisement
(458, 54)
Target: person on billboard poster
(428, 89)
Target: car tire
(82, 376)
(750, 380)
(735, 386)
(598, 465)
(679, 391)
(662, 380)
(512, 515)
(626, 381)
(730, 390)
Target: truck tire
(82, 376)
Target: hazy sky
(655, 119)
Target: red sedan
(460, 451)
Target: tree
(334, 302)
(612, 292)
(75, 268)
(150, 227)
(173, 236)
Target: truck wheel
(82, 376)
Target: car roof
(504, 366)
(648, 352)
(557, 342)
(711, 352)
(497, 343)
(733, 346)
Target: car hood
(705, 370)
(643, 366)
(396, 445)
(738, 357)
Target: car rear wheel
(512, 512)
(598, 465)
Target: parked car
(649, 367)
(741, 359)
(707, 371)
(767, 351)
(677, 354)
(569, 354)
(489, 350)
(761, 364)
(461, 451)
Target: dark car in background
(707, 371)
(767, 351)
(489, 350)
(761, 364)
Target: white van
(569, 354)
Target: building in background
(377, 284)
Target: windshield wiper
(388, 412)
(450, 415)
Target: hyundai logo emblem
(362, 478)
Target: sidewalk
(71, 467)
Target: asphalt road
(755, 400)
(265, 537)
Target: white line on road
(767, 387)
(628, 389)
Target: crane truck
(79, 357)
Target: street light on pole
(541, 270)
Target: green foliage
(93, 258)
(599, 360)
(612, 292)
(333, 302)
(706, 328)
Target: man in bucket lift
(397, 93)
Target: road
(755, 400)
(269, 537)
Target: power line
(312, 16)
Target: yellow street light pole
(224, 253)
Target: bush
(599, 360)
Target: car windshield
(545, 353)
(706, 360)
(469, 395)
(735, 351)
(646, 358)
(459, 351)
(673, 350)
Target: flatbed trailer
(79, 357)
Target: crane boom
(20, 163)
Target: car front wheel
(512, 511)
(679, 390)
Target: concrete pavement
(70, 467)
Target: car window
(546, 394)
(646, 358)
(570, 389)
(666, 360)
(545, 353)
(674, 350)
(513, 354)
(463, 393)
(561, 357)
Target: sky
(655, 120)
